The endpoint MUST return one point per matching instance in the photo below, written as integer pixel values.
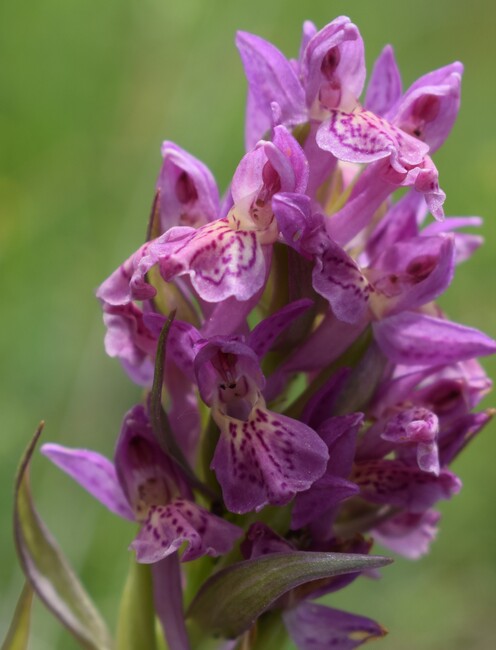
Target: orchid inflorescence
(304, 395)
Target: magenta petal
(337, 277)
(129, 340)
(317, 627)
(187, 191)
(333, 64)
(168, 527)
(363, 137)
(319, 501)
(168, 600)
(264, 335)
(95, 473)
(267, 459)
(412, 273)
(428, 109)
(117, 290)
(409, 534)
(221, 262)
(384, 87)
(395, 483)
(416, 339)
(271, 78)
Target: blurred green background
(89, 89)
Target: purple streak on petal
(262, 540)
(384, 87)
(333, 65)
(428, 109)
(337, 277)
(263, 336)
(146, 474)
(168, 527)
(317, 627)
(320, 501)
(266, 459)
(270, 78)
(116, 289)
(168, 599)
(221, 262)
(363, 137)
(409, 534)
(395, 483)
(419, 427)
(411, 273)
(187, 191)
(95, 473)
(416, 339)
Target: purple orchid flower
(188, 194)
(229, 256)
(261, 457)
(145, 486)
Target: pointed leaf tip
(230, 601)
(47, 569)
(18, 634)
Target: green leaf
(230, 601)
(18, 634)
(48, 571)
(136, 624)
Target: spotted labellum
(303, 395)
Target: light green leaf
(230, 601)
(136, 624)
(18, 634)
(48, 571)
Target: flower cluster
(311, 394)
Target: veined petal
(95, 473)
(320, 500)
(266, 459)
(169, 527)
(395, 483)
(317, 627)
(362, 137)
(384, 87)
(416, 339)
(271, 78)
(337, 277)
(220, 261)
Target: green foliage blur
(89, 90)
